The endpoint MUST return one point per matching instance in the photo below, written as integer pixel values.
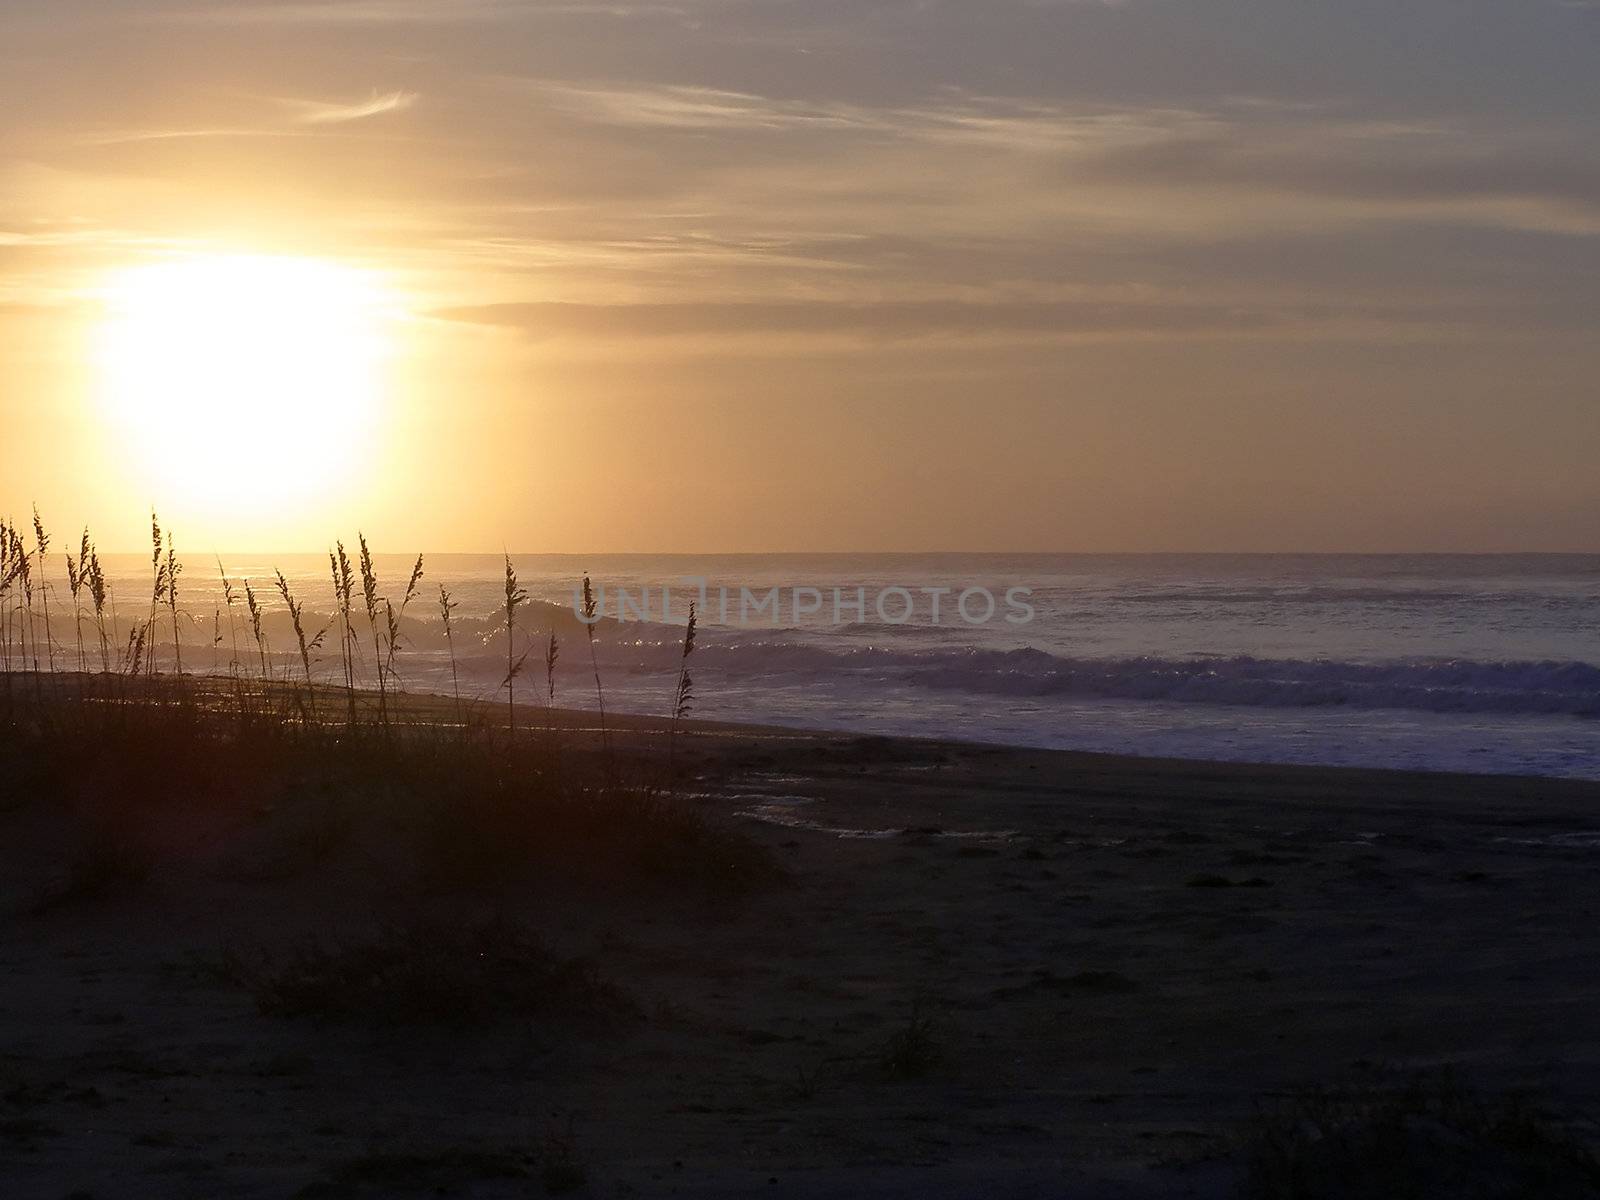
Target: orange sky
(769, 275)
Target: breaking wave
(1453, 686)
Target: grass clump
(478, 812)
(428, 974)
(385, 1174)
(489, 824)
(913, 1050)
(561, 1166)
(111, 860)
(1428, 1137)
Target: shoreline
(533, 717)
(975, 969)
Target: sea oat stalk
(295, 615)
(42, 541)
(344, 595)
(97, 597)
(370, 598)
(394, 618)
(77, 578)
(446, 607)
(683, 694)
(174, 568)
(158, 573)
(254, 608)
(590, 619)
(515, 597)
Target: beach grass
(480, 806)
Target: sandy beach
(979, 971)
(855, 600)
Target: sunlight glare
(244, 382)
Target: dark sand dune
(987, 973)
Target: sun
(244, 382)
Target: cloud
(304, 116)
(400, 12)
(694, 108)
(622, 161)
(170, 135)
(1173, 169)
(340, 12)
(872, 322)
(316, 112)
(1019, 123)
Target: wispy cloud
(337, 12)
(171, 135)
(399, 12)
(878, 320)
(303, 116)
(1309, 166)
(1005, 122)
(695, 108)
(627, 157)
(317, 112)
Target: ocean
(1487, 663)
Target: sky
(766, 275)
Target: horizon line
(1009, 553)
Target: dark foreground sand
(1108, 962)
